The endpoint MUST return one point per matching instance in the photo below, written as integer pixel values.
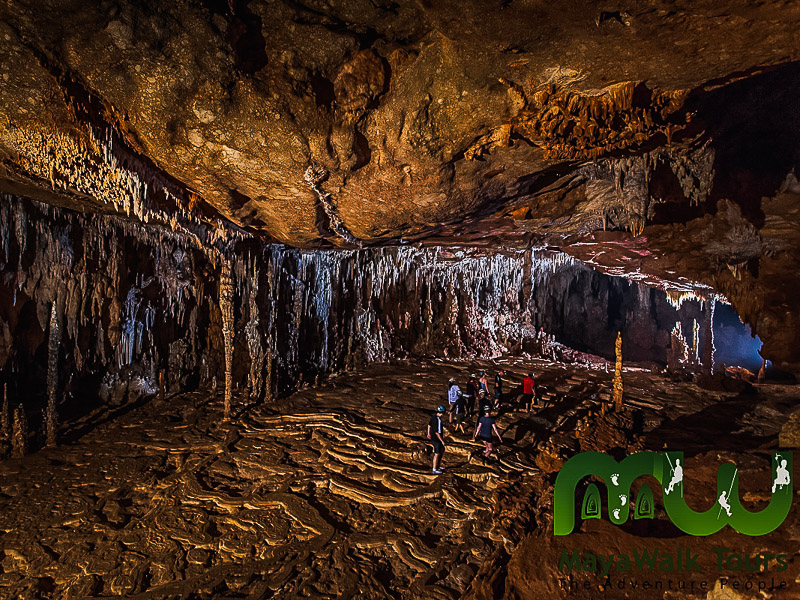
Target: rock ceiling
(653, 139)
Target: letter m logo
(618, 477)
(609, 470)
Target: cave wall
(133, 303)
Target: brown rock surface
(328, 493)
(451, 122)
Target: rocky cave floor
(329, 493)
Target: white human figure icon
(782, 477)
(677, 476)
(616, 513)
(623, 499)
(723, 502)
(614, 478)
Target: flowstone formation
(328, 492)
(617, 393)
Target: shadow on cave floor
(738, 422)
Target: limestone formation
(51, 413)
(5, 424)
(19, 433)
(361, 123)
(226, 308)
(618, 373)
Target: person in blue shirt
(436, 436)
(484, 430)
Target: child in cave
(436, 436)
(484, 430)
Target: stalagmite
(762, 372)
(19, 434)
(5, 424)
(162, 385)
(618, 373)
(708, 334)
(270, 342)
(226, 308)
(51, 416)
(678, 352)
(254, 337)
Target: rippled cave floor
(329, 493)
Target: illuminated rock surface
(291, 208)
(450, 122)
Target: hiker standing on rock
(498, 388)
(461, 410)
(436, 436)
(472, 394)
(453, 392)
(483, 382)
(529, 392)
(484, 430)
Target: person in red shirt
(529, 392)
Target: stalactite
(618, 373)
(315, 177)
(19, 434)
(318, 312)
(51, 417)
(273, 299)
(226, 308)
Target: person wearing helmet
(484, 403)
(453, 392)
(436, 436)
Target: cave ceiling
(656, 140)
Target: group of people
(462, 406)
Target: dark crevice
(322, 88)
(753, 125)
(247, 39)
(361, 149)
(244, 33)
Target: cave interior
(244, 245)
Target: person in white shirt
(453, 392)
